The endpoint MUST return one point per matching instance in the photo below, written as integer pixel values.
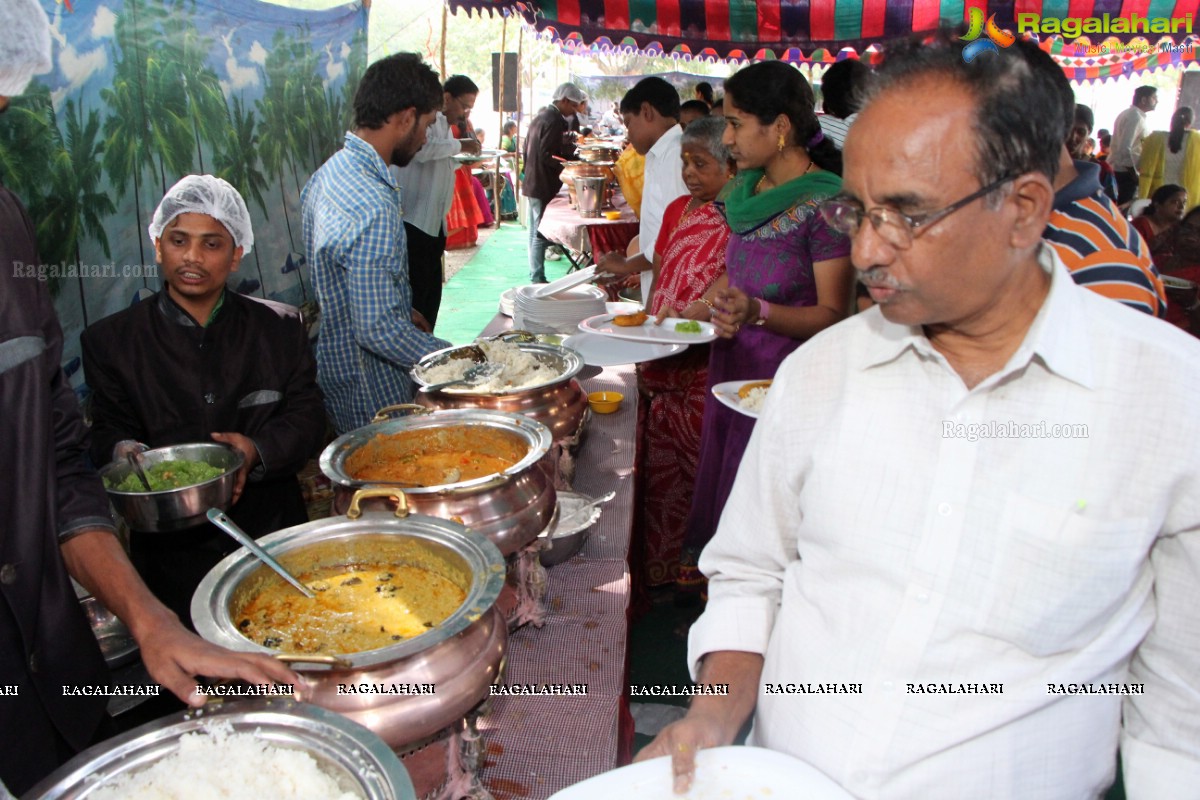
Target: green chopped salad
(690, 326)
(167, 475)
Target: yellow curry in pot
(356, 608)
(436, 456)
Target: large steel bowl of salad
(185, 481)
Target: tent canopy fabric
(824, 31)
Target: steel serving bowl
(175, 509)
(510, 508)
(349, 753)
(561, 405)
(569, 532)
(460, 657)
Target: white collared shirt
(1126, 146)
(869, 542)
(427, 182)
(663, 183)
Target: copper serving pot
(509, 508)
(596, 153)
(561, 405)
(447, 671)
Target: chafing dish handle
(411, 409)
(368, 492)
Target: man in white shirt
(426, 191)
(1126, 149)
(650, 111)
(959, 560)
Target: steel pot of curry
(478, 467)
(402, 635)
(559, 404)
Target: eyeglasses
(894, 227)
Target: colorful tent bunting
(825, 31)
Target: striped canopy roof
(823, 31)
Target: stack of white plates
(558, 313)
(508, 299)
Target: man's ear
(158, 250)
(237, 259)
(403, 121)
(1033, 197)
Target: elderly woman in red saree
(689, 268)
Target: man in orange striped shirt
(1087, 230)
(1100, 248)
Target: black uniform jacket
(160, 378)
(46, 489)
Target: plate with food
(744, 773)
(640, 327)
(606, 351)
(1171, 282)
(744, 397)
(484, 155)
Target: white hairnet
(569, 91)
(206, 194)
(26, 48)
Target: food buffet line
(499, 677)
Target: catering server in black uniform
(196, 363)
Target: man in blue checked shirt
(354, 239)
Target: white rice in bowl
(754, 399)
(521, 370)
(220, 763)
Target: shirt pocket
(255, 408)
(1059, 575)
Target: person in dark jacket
(546, 142)
(198, 362)
(54, 515)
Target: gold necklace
(811, 166)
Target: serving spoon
(480, 373)
(137, 468)
(219, 518)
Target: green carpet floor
(472, 295)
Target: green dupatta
(745, 210)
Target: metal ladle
(219, 518)
(474, 376)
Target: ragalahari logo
(977, 28)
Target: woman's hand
(734, 308)
(697, 310)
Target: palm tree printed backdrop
(146, 91)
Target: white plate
(605, 351)
(508, 298)
(573, 279)
(722, 773)
(727, 393)
(648, 332)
